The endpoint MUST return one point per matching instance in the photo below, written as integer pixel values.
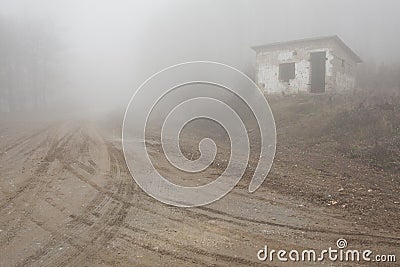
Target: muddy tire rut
(69, 200)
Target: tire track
(29, 184)
(30, 189)
(104, 220)
(195, 250)
(99, 222)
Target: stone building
(316, 65)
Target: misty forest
(29, 64)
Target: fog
(105, 49)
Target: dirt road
(67, 199)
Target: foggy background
(94, 54)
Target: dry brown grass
(362, 124)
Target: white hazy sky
(112, 46)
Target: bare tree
(28, 53)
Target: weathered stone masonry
(339, 70)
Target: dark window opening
(286, 71)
